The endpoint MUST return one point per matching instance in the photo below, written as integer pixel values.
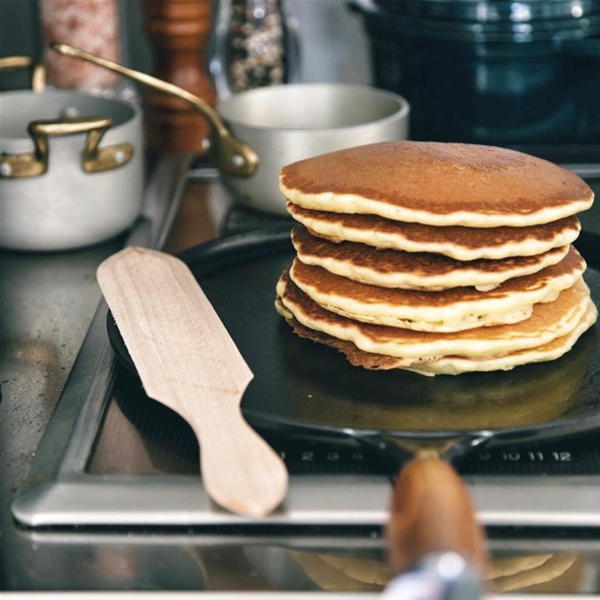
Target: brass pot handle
(231, 155)
(38, 75)
(94, 159)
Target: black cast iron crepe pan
(307, 389)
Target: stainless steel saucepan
(71, 168)
(280, 125)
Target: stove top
(113, 501)
(111, 456)
(127, 460)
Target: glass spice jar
(91, 25)
(255, 44)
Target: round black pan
(306, 388)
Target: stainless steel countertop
(46, 304)
(47, 301)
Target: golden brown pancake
(414, 270)
(438, 184)
(461, 243)
(450, 310)
(455, 365)
(547, 322)
(448, 365)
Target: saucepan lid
(484, 11)
(417, 22)
(393, 26)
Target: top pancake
(437, 184)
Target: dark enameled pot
(489, 81)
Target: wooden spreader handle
(432, 512)
(240, 471)
(187, 360)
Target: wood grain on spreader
(187, 361)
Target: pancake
(438, 184)
(450, 310)
(450, 365)
(414, 270)
(460, 243)
(455, 365)
(547, 322)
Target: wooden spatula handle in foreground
(432, 513)
(187, 361)
(240, 471)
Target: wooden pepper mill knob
(178, 32)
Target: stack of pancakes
(436, 258)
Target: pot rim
(486, 11)
(402, 112)
(133, 118)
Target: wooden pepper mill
(178, 32)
